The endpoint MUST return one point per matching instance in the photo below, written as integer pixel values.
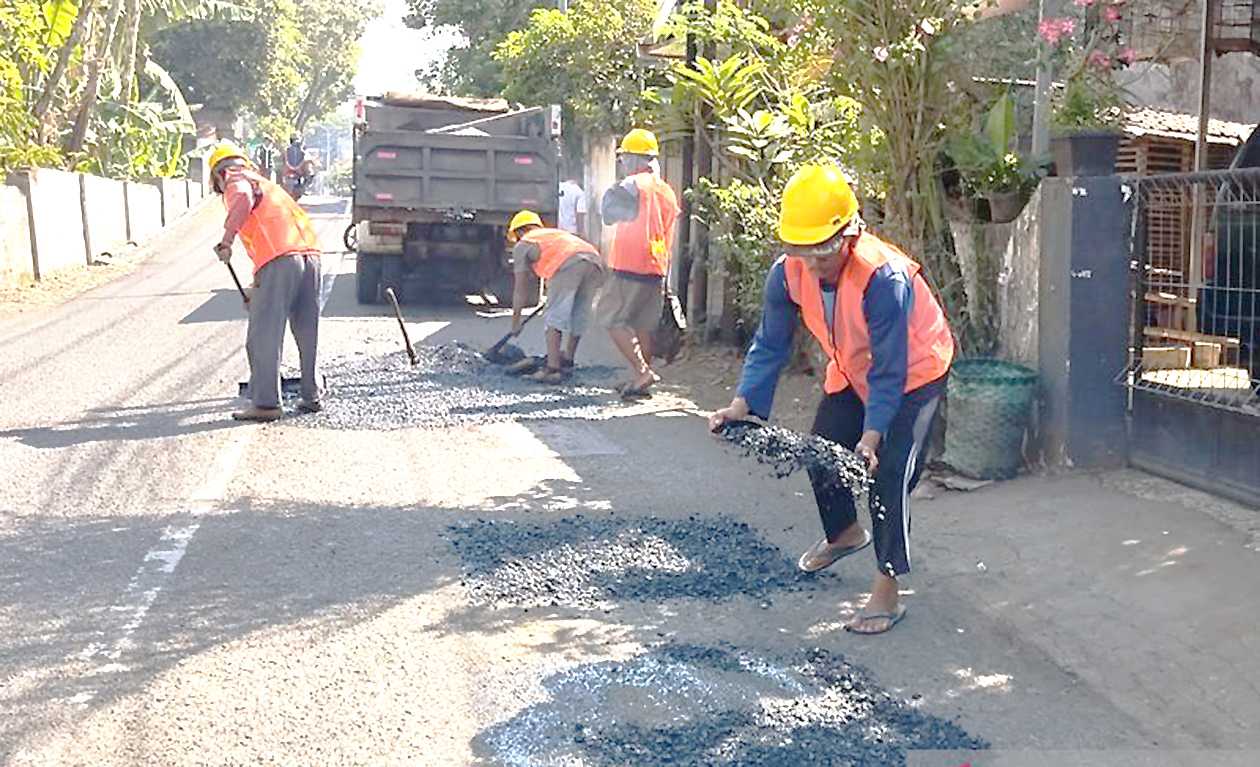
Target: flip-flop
(837, 555)
(893, 619)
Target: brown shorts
(631, 303)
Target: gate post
(1083, 319)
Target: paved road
(617, 589)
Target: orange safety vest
(555, 247)
(642, 245)
(847, 339)
(276, 226)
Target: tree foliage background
(106, 85)
(471, 70)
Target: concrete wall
(1235, 87)
(104, 215)
(174, 198)
(144, 210)
(195, 193)
(1000, 272)
(16, 266)
(56, 219)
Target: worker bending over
(573, 271)
(280, 240)
(890, 350)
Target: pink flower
(1112, 14)
(1128, 56)
(1054, 30)
(881, 54)
(1100, 60)
(1082, 3)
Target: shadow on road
(141, 422)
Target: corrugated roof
(1145, 121)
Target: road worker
(573, 271)
(890, 350)
(644, 209)
(281, 242)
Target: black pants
(840, 418)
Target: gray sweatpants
(285, 289)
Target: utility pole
(1046, 9)
(686, 257)
(1198, 219)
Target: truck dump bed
(415, 163)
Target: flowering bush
(1090, 49)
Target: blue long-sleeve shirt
(886, 304)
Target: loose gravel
(452, 385)
(787, 452)
(690, 704)
(594, 562)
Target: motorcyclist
(295, 168)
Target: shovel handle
(537, 310)
(411, 352)
(237, 280)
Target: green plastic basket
(990, 406)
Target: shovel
(498, 355)
(411, 350)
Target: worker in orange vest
(644, 209)
(281, 242)
(573, 271)
(890, 349)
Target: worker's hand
(224, 251)
(249, 294)
(736, 411)
(868, 449)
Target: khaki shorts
(571, 297)
(631, 303)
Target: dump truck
(436, 180)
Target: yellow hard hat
(522, 219)
(226, 150)
(640, 141)
(817, 204)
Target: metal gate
(1194, 412)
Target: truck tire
(367, 273)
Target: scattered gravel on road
(787, 452)
(452, 385)
(595, 562)
(691, 704)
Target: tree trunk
(130, 68)
(312, 95)
(88, 103)
(53, 81)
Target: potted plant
(1088, 111)
(1005, 183)
(990, 168)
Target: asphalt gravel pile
(787, 452)
(451, 385)
(692, 704)
(594, 562)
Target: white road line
(160, 561)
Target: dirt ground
(709, 374)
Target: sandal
(893, 619)
(553, 376)
(823, 554)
